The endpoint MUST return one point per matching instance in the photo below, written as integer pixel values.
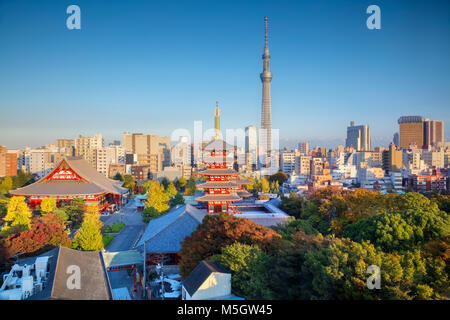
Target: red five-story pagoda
(222, 187)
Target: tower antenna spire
(266, 78)
(265, 22)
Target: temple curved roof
(218, 144)
(219, 197)
(217, 172)
(217, 184)
(86, 181)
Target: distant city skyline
(155, 67)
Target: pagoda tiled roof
(217, 184)
(218, 144)
(244, 194)
(217, 172)
(240, 182)
(219, 197)
(218, 159)
(91, 182)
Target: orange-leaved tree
(46, 232)
(218, 231)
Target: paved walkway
(125, 240)
(130, 232)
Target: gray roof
(122, 258)
(94, 281)
(165, 234)
(93, 182)
(217, 172)
(199, 275)
(217, 184)
(269, 221)
(219, 197)
(274, 202)
(218, 144)
(58, 188)
(244, 193)
(240, 182)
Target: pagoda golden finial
(217, 121)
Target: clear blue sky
(154, 66)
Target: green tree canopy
(191, 187)
(118, 177)
(3, 207)
(150, 213)
(61, 214)
(22, 179)
(6, 184)
(274, 187)
(280, 177)
(165, 182)
(414, 220)
(178, 199)
(128, 182)
(293, 204)
(250, 267)
(75, 210)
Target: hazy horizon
(153, 67)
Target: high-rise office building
(67, 146)
(251, 139)
(434, 159)
(287, 161)
(251, 147)
(181, 152)
(419, 131)
(8, 162)
(303, 148)
(2, 161)
(433, 132)
(127, 142)
(151, 150)
(358, 137)
(392, 159)
(40, 163)
(106, 156)
(411, 131)
(303, 165)
(86, 147)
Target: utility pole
(145, 267)
(162, 276)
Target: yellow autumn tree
(93, 212)
(157, 197)
(89, 236)
(18, 215)
(171, 190)
(265, 186)
(48, 205)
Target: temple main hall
(75, 178)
